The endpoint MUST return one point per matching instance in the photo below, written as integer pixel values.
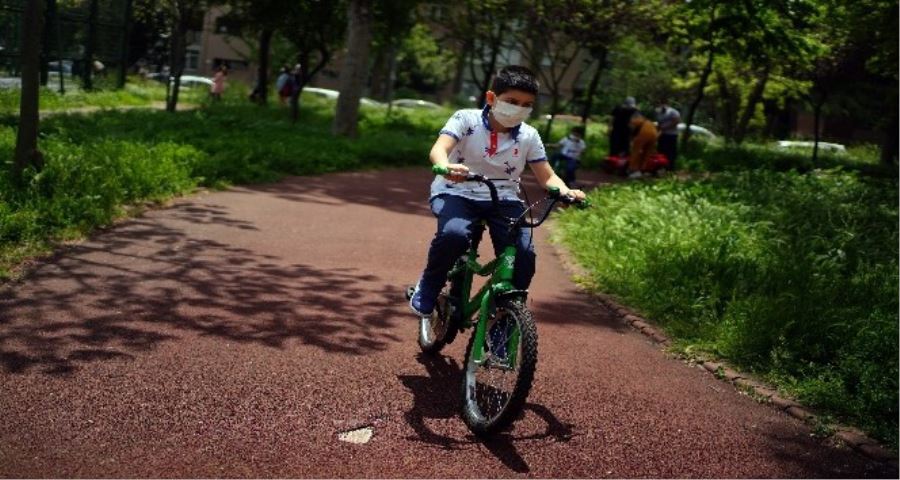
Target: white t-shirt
(572, 147)
(498, 156)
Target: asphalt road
(238, 333)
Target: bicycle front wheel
(495, 388)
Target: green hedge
(790, 275)
(97, 163)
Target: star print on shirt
(469, 131)
(509, 168)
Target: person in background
(569, 154)
(620, 129)
(667, 119)
(282, 85)
(643, 145)
(218, 85)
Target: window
(192, 58)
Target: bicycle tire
(486, 425)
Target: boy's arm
(547, 178)
(440, 155)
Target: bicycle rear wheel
(495, 389)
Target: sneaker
(635, 174)
(419, 304)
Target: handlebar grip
(439, 170)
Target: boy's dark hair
(579, 129)
(515, 77)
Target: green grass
(131, 95)
(792, 276)
(98, 163)
(717, 157)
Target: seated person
(643, 144)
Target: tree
(393, 21)
(697, 25)
(598, 25)
(27, 152)
(90, 45)
(262, 18)
(421, 62)
(859, 58)
(316, 29)
(355, 71)
(178, 16)
(553, 53)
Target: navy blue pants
(668, 146)
(456, 217)
(565, 167)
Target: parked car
(187, 81)
(697, 130)
(334, 94)
(414, 103)
(66, 66)
(824, 146)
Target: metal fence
(73, 30)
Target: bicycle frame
(500, 271)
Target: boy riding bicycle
(494, 142)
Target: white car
(194, 80)
(697, 130)
(334, 94)
(824, 146)
(186, 80)
(414, 103)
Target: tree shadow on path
(437, 395)
(147, 281)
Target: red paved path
(236, 333)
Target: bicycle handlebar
(552, 193)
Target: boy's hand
(458, 172)
(576, 194)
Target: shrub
(790, 275)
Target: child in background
(569, 155)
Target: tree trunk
(262, 73)
(176, 61)
(817, 116)
(754, 98)
(49, 14)
(592, 87)
(554, 108)
(379, 74)
(889, 145)
(27, 152)
(353, 75)
(730, 100)
(59, 49)
(459, 75)
(87, 72)
(391, 76)
(123, 49)
(704, 79)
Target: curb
(850, 436)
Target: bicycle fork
(501, 285)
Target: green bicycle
(501, 356)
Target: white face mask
(509, 115)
